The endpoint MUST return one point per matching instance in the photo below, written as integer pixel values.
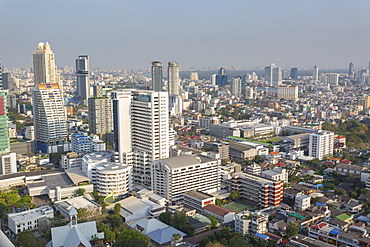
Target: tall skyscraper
(44, 67)
(221, 77)
(315, 74)
(141, 129)
(294, 73)
(83, 77)
(157, 76)
(321, 144)
(351, 70)
(194, 76)
(4, 130)
(49, 118)
(100, 113)
(273, 75)
(236, 85)
(173, 78)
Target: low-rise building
(263, 191)
(302, 202)
(223, 215)
(277, 174)
(172, 177)
(33, 219)
(197, 200)
(247, 222)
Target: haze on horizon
(132, 34)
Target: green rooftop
(249, 140)
(343, 217)
(298, 216)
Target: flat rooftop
(198, 195)
(61, 180)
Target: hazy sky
(130, 34)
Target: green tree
(130, 235)
(28, 239)
(234, 195)
(292, 230)
(214, 221)
(166, 217)
(83, 213)
(117, 209)
(218, 202)
(80, 191)
(176, 238)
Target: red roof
(274, 153)
(306, 169)
(346, 161)
(217, 209)
(320, 225)
(280, 164)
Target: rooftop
(198, 195)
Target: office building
(263, 191)
(141, 129)
(236, 86)
(194, 76)
(364, 101)
(157, 77)
(49, 118)
(44, 67)
(294, 73)
(172, 177)
(321, 144)
(7, 80)
(213, 79)
(173, 78)
(107, 176)
(351, 70)
(4, 132)
(100, 114)
(273, 75)
(329, 79)
(315, 73)
(221, 77)
(8, 163)
(249, 92)
(175, 105)
(287, 92)
(80, 143)
(83, 77)
(30, 220)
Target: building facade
(49, 118)
(157, 76)
(44, 67)
(264, 192)
(4, 132)
(173, 78)
(287, 92)
(172, 177)
(321, 144)
(141, 129)
(83, 77)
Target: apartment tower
(157, 76)
(173, 78)
(83, 77)
(44, 67)
(49, 118)
(141, 129)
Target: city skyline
(197, 33)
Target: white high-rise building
(83, 77)
(173, 177)
(321, 144)
(249, 92)
(8, 163)
(194, 76)
(44, 67)
(273, 75)
(315, 73)
(329, 79)
(236, 86)
(213, 79)
(49, 118)
(287, 92)
(141, 129)
(173, 78)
